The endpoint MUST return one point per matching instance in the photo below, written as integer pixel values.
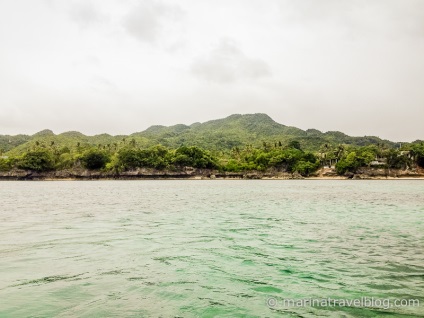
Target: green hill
(220, 134)
(240, 130)
(8, 142)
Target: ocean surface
(212, 248)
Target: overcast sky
(119, 66)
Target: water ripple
(209, 248)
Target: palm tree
(236, 152)
(340, 151)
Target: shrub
(305, 168)
(66, 161)
(129, 158)
(194, 157)
(37, 160)
(6, 164)
(95, 159)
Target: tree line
(272, 155)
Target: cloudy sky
(119, 66)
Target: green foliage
(294, 144)
(157, 157)
(65, 161)
(95, 159)
(64, 149)
(128, 158)
(305, 168)
(418, 151)
(37, 160)
(222, 135)
(347, 164)
(236, 143)
(269, 156)
(160, 157)
(7, 142)
(286, 159)
(355, 159)
(194, 157)
(6, 164)
(395, 160)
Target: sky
(120, 66)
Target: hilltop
(216, 135)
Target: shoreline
(198, 174)
(208, 179)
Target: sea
(212, 248)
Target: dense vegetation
(216, 135)
(234, 144)
(277, 157)
(408, 157)
(128, 157)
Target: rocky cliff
(190, 173)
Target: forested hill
(221, 134)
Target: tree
(95, 159)
(129, 158)
(157, 157)
(294, 144)
(194, 157)
(6, 164)
(348, 164)
(418, 151)
(305, 168)
(340, 151)
(66, 161)
(37, 160)
(266, 146)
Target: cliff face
(375, 173)
(190, 173)
(84, 174)
(81, 174)
(389, 173)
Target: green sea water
(209, 248)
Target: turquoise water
(209, 248)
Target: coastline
(206, 174)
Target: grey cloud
(227, 63)
(150, 20)
(87, 61)
(102, 84)
(349, 65)
(315, 10)
(85, 14)
(357, 18)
